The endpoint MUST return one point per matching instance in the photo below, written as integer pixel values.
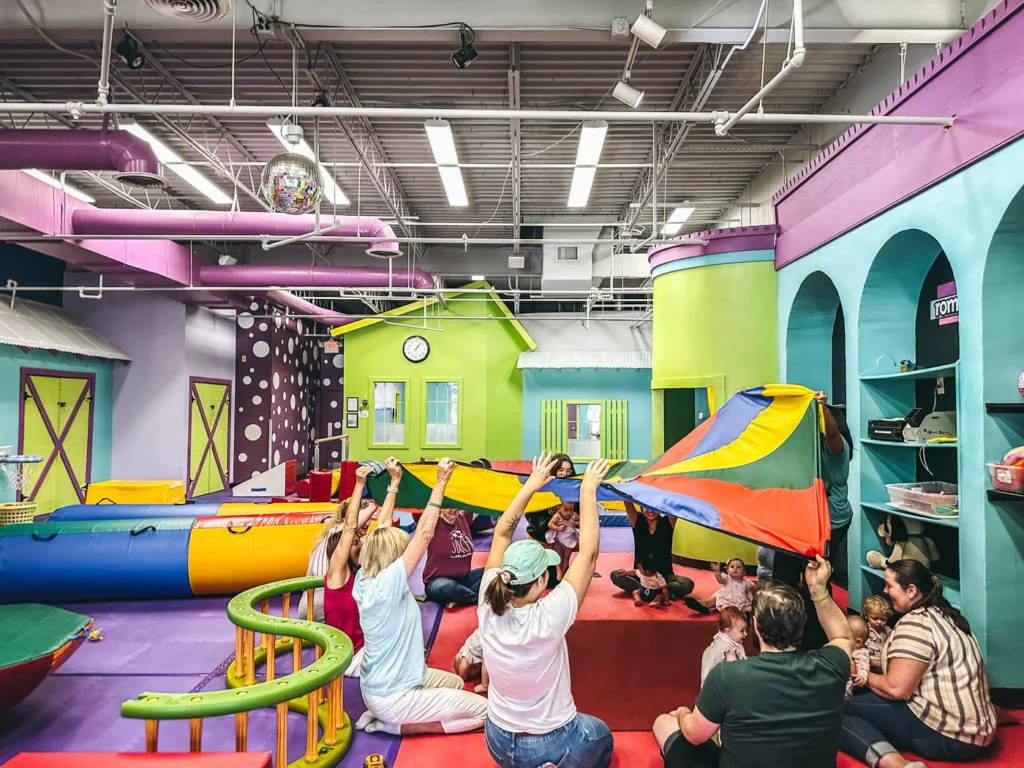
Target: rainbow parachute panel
(752, 470)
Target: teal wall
(631, 385)
(12, 360)
(977, 218)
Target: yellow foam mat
(699, 543)
(274, 509)
(226, 561)
(135, 492)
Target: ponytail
(929, 587)
(499, 595)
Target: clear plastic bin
(932, 499)
(1006, 478)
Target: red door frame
(58, 440)
(225, 404)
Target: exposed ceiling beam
(517, 144)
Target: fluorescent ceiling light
(55, 183)
(332, 191)
(648, 30)
(592, 136)
(442, 145)
(477, 278)
(582, 181)
(627, 94)
(676, 220)
(172, 160)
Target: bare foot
(636, 600)
(481, 689)
(656, 604)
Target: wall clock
(416, 349)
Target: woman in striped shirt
(932, 696)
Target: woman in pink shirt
(448, 575)
(343, 548)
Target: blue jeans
(874, 727)
(585, 742)
(463, 590)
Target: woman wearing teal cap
(531, 716)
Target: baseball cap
(526, 560)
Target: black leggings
(678, 586)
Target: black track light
(467, 54)
(128, 52)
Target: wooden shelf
(1013, 498)
(950, 587)
(893, 443)
(938, 372)
(949, 522)
(1005, 407)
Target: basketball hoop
(20, 471)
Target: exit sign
(330, 347)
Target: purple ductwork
(224, 225)
(303, 307)
(244, 276)
(130, 157)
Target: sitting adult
(402, 695)
(342, 550)
(539, 523)
(933, 696)
(780, 709)
(652, 542)
(448, 575)
(531, 715)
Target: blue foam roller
(84, 561)
(130, 511)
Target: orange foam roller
(228, 555)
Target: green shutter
(615, 439)
(552, 426)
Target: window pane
(442, 413)
(389, 412)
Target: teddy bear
(906, 539)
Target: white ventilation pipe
(103, 87)
(793, 62)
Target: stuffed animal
(1014, 458)
(905, 537)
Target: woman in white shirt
(404, 697)
(531, 716)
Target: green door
(56, 419)
(209, 419)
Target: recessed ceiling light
(442, 145)
(676, 220)
(588, 154)
(477, 278)
(172, 160)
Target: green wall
(480, 354)
(714, 326)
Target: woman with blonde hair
(403, 696)
(321, 553)
(531, 715)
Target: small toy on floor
(375, 761)
(96, 635)
(735, 590)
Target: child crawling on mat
(735, 590)
(727, 644)
(653, 588)
(469, 662)
(563, 534)
(860, 660)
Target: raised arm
(428, 521)
(830, 615)
(581, 572)
(387, 511)
(631, 512)
(833, 440)
(720, 577)
(337, 568)
(539, 477)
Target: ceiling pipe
(103, 87)
(227, 225)
(313, 277)
(308, 309)
(796, 61)
(131, 159)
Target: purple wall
(872, 168)
(276, 391)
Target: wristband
(433, 504)
(392, 489)
(819, 599)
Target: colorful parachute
(752, 470)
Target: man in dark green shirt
(780, 709)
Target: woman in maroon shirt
(448, 575)
(340, 609)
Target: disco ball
(292, 184)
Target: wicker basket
(17, 512)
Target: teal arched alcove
(815, 341)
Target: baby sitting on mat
(563, 534)
(735, 591)
(653, 588)
(727, 645)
